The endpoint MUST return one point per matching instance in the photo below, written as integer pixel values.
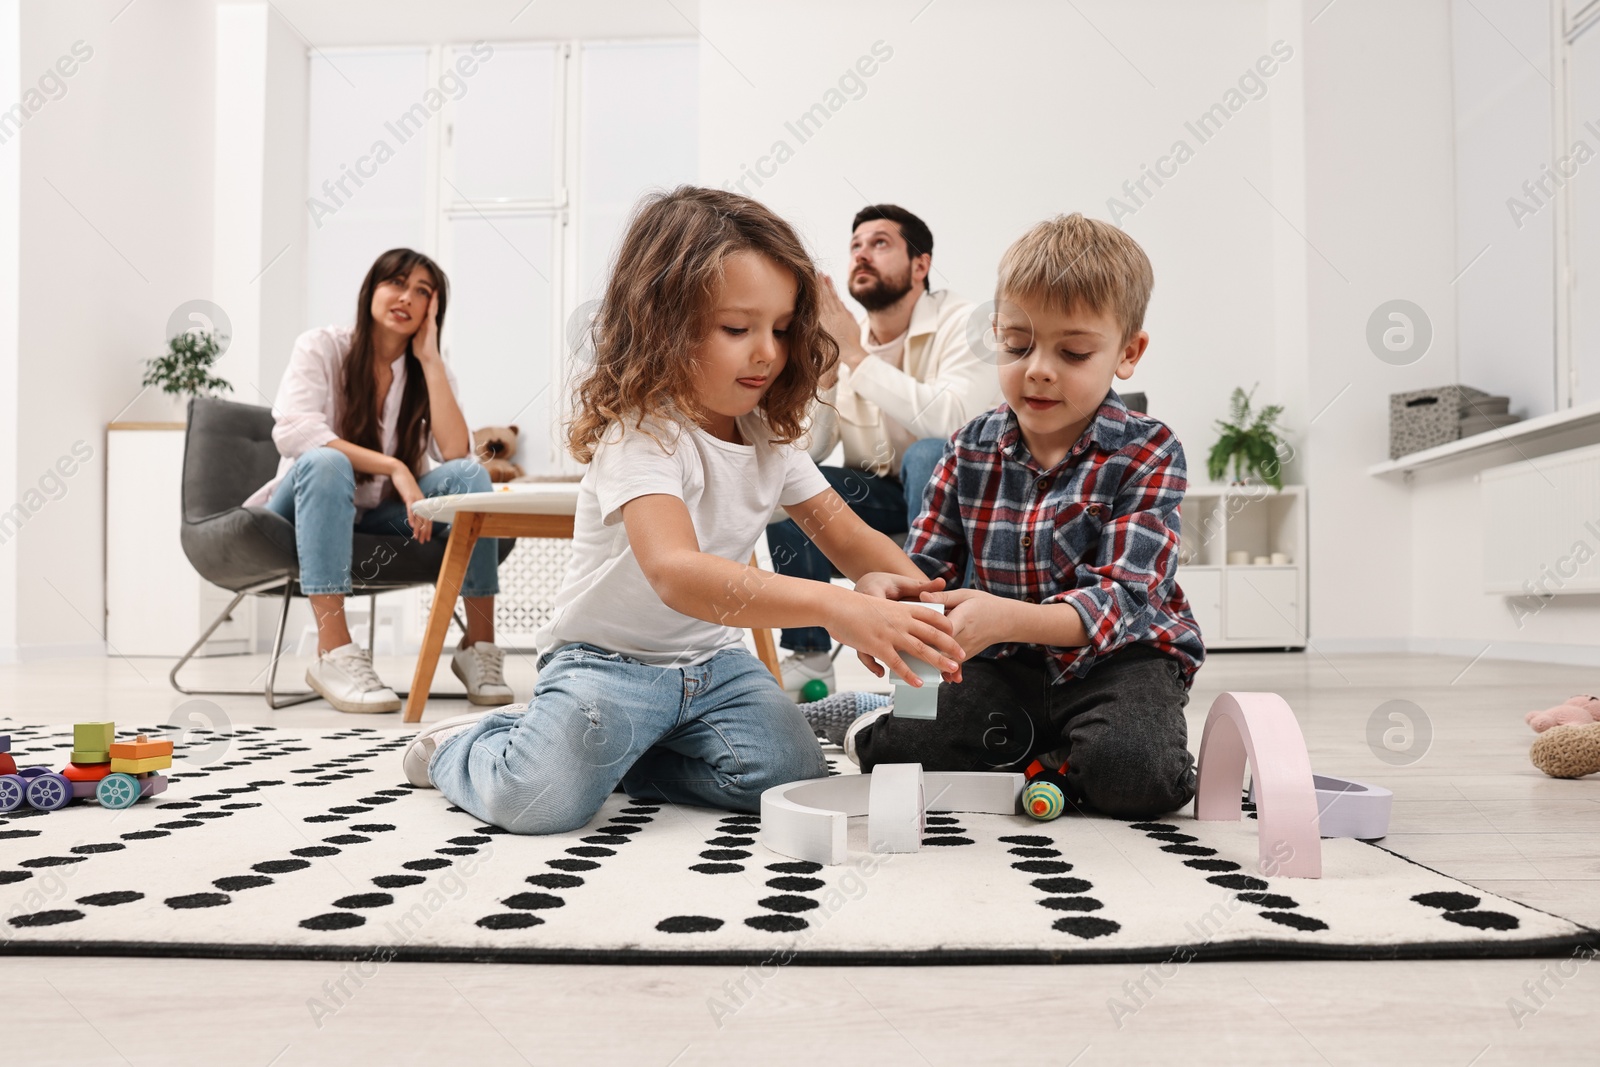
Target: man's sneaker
(862, 722)
(801, 667)
(831, 716)
(420, 752)
(346, 680)
(481, 668)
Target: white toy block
(809, 819)
(913, 702)
(1348, 808)
(894, 808)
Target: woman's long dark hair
(359, 406)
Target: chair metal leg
(274, 699)
(372, 626)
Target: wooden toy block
(1260, 727)
(77, 772)
(88, 757)
(140, 766)
(1348, 808)
(156, 783)
(93, 736)
(5, 742)
(137, 750)
(7, 764)
(913, 702)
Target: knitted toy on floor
(1576, 711)
(1567, 751)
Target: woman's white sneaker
(481, 668)
(346, 680)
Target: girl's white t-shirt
(731, 492)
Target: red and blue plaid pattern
(1098, 531)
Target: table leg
(463, 536)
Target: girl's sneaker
(420, 752)
(831, 716)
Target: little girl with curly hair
(708, 346)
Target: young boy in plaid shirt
(1065, 503)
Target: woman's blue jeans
(718, 734)
(318, 495)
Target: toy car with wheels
(117, 774)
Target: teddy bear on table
(494, 447)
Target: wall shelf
(1581, 417)
(1247, 605)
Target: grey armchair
(229, 453)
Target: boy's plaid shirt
(1098, 531)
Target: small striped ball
(1043, 801)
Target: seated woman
(363, 415)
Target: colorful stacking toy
(1045, 796)
(117, 774)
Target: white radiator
(1541, 525)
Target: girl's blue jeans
(318, 495)
(717, 735)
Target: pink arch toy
(1260, 726)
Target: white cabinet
(1242, 565)
(156, 605)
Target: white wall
(115, 178)
(10, 252)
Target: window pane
(640, 130)
(504, 139)
(365, 185)
(498, 327)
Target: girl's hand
(405, 484)
(426, 347)
(978, 619)
(888, 586)
(879, 630)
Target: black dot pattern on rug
(1071, 903)
(364, 900)
(795, 884)
(724, 854)
(942, 830)
(7, 877)
(334, 920)
(1237, 881)
(716, 868)
(314, 851)
(789, 903)
(777, 924)
(236, 882)
(795, 867)
(397, 881)
(433, 863)
(1061, 885)
(1087, 927)
(1212, 865)
(1483, 920)
(279, 866)
(509, 920)
(198, 900)
(52, 861)
(554, 881)
(105, 846)
(1448, 901)
(47, 918)
(1295, 919)
(1043, 866)
(145, 835)
(533, 901)
(108, 900)
(592, 851)
(572, 865)
(688, 924)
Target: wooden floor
(1470, 805)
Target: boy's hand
(887, 586)
(879, 630)
(979, 619)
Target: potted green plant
(1249, 442)
(185, 369)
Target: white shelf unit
(1250, 605)
(156, 605)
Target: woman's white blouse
(306, 419)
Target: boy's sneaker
(798, 668)
(861, 723)
(831, 717)
(481, 668)
(346, 680)
(420, 752)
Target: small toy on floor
(1045, 795)
(1570, 751)
(1575, 711)
(117, 774)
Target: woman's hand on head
(405, 485)
(426, 348)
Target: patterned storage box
(1428, 417)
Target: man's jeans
(318, 495)
(885, 504)
(719, 734)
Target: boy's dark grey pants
(1120, 728)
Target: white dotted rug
(280, 843)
